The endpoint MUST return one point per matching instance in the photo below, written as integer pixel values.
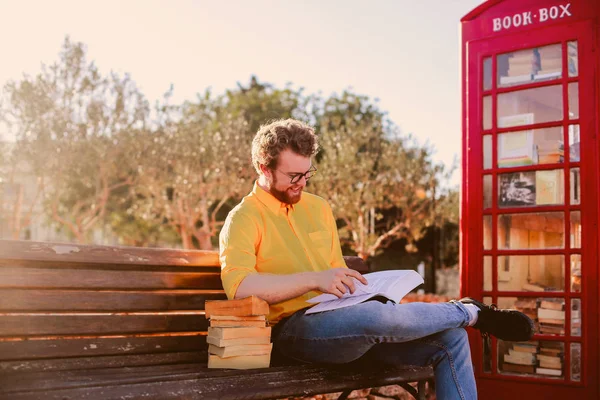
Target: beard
(286, 196)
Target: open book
(393, 285)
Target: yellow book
(238, 342)
(237, 333)
(243, 350)
(549, 187)
(248, 306)
(225, 323)
(239, 362)
(232, 318)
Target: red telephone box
(529, 225)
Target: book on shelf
(548, 371)
(558, 304)
(516, 149)
(547, 345)
(526, 302)
(239, 362)
(526, 347)
(550, 359)
(527, 306)
(548, 351)
(550, 152)
(547, 74)
(520, 359)
(546, 313)
(522, 369)
(509, 121)
(393, 285)
(514, 79)
(549, 187)
(249, 306)
(551, 329)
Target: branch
(389, 235)
(213, 216)
(61, 220)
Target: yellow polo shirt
(264, 235)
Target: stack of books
(550, 359)
(521, 358)
(551, 63)
(516, 148)
(528, 306)
(521, 67)
(551, 317)
(550, 152)
(238, 336)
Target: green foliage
(71, 123)
(258, 103)
(168, 175)
(380, 184)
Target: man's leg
(447, 351)
(433, 331)
(346, 334)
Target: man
(281, 244)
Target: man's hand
(336, 281)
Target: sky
(405, 53)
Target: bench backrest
(66, 307)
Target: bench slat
(40, 278)
(84, 363)
(223, 385)
(60, 324)
(67, 252)
(49, 380)
(100, 346)
(54, 300)
(105, 266)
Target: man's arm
(277, 288)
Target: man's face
(289, 165)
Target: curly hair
(273, 138)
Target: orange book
(238, 333)
(226, 323)
(232, 318)
(239, 362)
(248, 306)
(243, 350)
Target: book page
(392, 284)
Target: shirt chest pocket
(321, 240)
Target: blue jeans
(400, 334)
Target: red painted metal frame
(478, 43)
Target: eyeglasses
(295, 178)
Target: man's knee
(453, 337)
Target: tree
(71, 124)
(257, 103)
(189, 168)
(20, 192)
(381, 185)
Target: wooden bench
(98, 322)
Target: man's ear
(265, 171)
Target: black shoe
(510, 325)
